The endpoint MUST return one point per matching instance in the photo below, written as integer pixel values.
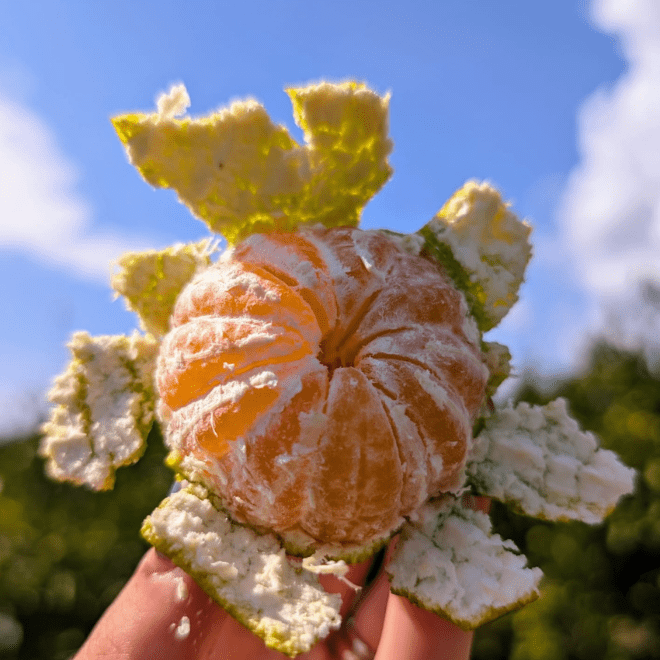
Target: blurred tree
(65, 552)
(601, 594)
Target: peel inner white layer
(537, 459)
(449, 561)
(261, 588)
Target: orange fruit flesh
(235, 290)
(234, 419)
(291, 258)
(359, 478)
(210, 352)
(437, 424)
(282, 457)
(437, 350)
(343, 451)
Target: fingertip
(417, 634)
(367, 620)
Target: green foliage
(601, 594)
(65, 552)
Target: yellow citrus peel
(242, 174)
(151, 281)
(484, 247)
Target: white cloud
(43, 216)
(41, 213)
(610, 214)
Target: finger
(416, 634)
(350, 586)
(358, 637)
(361, 634)
(229, 639)
(413, 632)
(366, 621)
(160, 613)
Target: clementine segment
(442, 352)
(236, 290)
(207, 351)
(441, 419)
(283, 454)
(355, 273)
(294, 259)
(356, 490)
(233, 419)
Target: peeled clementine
(324, 383)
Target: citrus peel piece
(346, 131)
(242, 174)
(151, 281)
(280, 602)
(537, 460)
(497, 358)
(104, 408)
(448, 561)
(484, 247)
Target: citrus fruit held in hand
(323, 383)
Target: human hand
(162, 613)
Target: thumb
(160, 613)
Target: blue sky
(556, 103)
